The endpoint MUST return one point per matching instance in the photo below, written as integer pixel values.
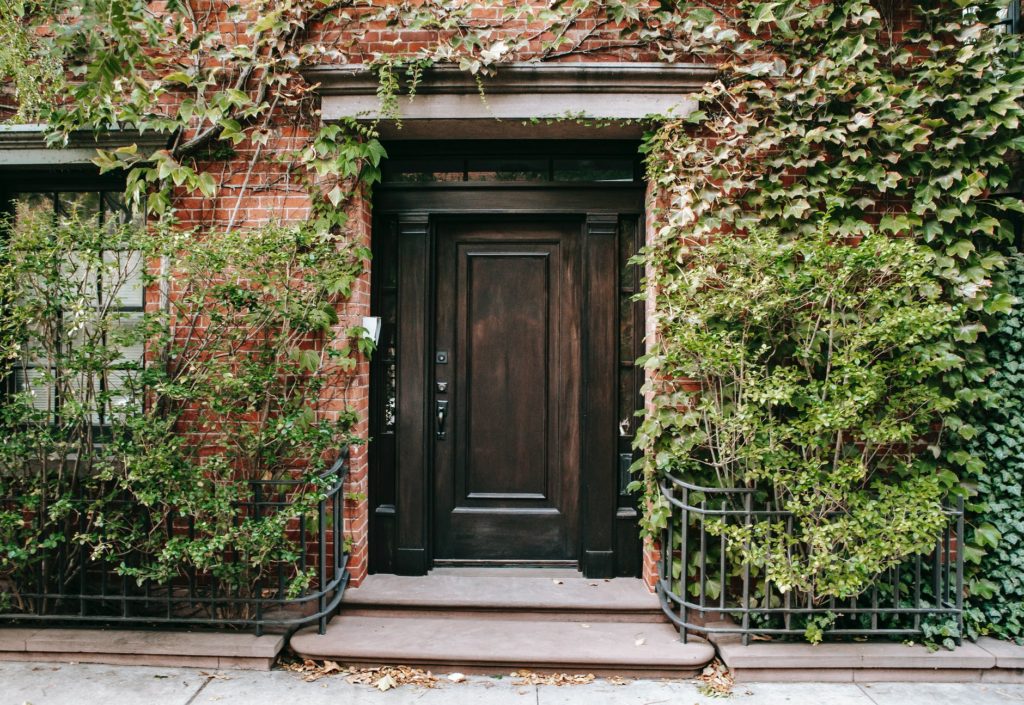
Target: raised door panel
(508, 360)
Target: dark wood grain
(508, 317)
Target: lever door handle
(441, 408)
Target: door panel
(507, 390)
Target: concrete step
(498, 595)
(987, 661)
(466, 643)
(141, 648)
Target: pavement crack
(195, 695)
(864, 690)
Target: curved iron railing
(78, 590)
(722, 597)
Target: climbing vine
(996, 587)
(907, 132)
(831, 122)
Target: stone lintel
(521, 91)
(25, 145)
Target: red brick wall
(255, 191)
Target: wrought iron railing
(76, 589)
(725, 596)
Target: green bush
(813, 369)
(124, 424)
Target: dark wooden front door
(507, 377)
(510, 260)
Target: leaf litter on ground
(387, 677)
(716, 681)
(379, 677)
(531, 678)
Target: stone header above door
(448, 100)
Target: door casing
(401, 524)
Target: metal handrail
(899, 601)
(196, 600)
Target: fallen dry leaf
(618, 680)
(216, 676)
(531, 678)
(387, 677)
(716, 680)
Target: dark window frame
(52, 183)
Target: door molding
(404, 514)
(600, 401)
(413, 495)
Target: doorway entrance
(503, 392)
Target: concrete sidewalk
(85, 684)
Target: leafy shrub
(810, 370)
(125, 427)
(900, 121)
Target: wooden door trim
(413, 496)
(471, 199)
(599, 401)
(415, 212)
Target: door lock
(441, 408)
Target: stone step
(466, 643)
(504, 596)
(141, 648)
(987, 661)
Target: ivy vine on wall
(899, 131)
(997, 583)
(896, 119)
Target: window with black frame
(1010, 17)
(84, 343)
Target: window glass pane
(508, 169)
(627, 248)
(124, 333)
(115, 210)
(28, 203)
(417, 171)
(122, 279)
(81, 273)
(617, 170)
(627, 330)
(120, 399)
(36, 350)
(627, 401)
(40, 382)
(85, 203)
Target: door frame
(401, 520)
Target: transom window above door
(529, 162)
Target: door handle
(441, 408)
